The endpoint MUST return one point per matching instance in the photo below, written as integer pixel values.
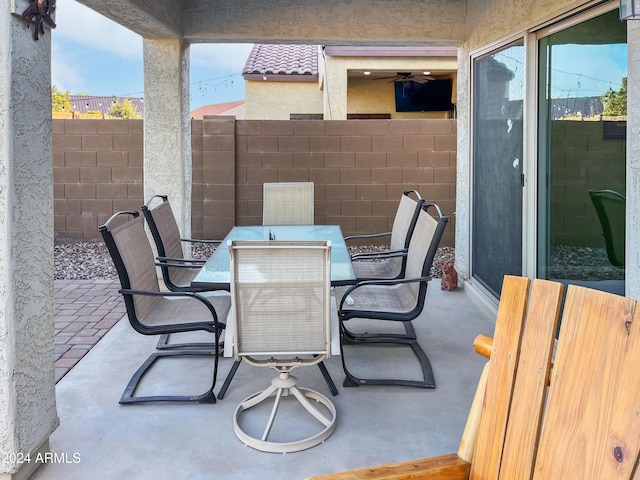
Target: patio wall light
(629, 10)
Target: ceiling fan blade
(385, 78)
(422, 79)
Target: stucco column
(27, 384)
(167, 126)
(335, 93)
(632, 262)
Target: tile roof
(269, 59)
(82, 103)
(236, 108)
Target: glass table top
(216, 272)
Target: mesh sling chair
(610, 207)
(280, 296)
(177, 271)
(152, 312)
(392, 263)
(382, 310)
(288, 203)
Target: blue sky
(93, 55)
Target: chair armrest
(176, 261)
(444, 467)
(367, 235)
(379, 255)
(195, 296)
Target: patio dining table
(216, 272)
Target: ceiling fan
(407, 77)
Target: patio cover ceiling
(363, 22)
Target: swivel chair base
(285, 385)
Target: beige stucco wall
(276, 100)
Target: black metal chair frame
(165, 263)
(213, 326)
(391, 253)
(597, 197)
(408, 338)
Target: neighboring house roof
(82, 103)
(236, 108)
(290, 62)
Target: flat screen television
(433, 96)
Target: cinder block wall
(583, 160)
(97, 170)
(359, 167)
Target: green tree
(60, 102)
(615, 103)
(124, 110)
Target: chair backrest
(577, 417)
(424, 245)
(280, 297)
(610, 207)
(164, 228)
(288, 203)
(405, 220)
(132, 256)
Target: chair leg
(427, 373)
(353, 338)
(206, 397)
(285, 386)
(227, 381)
(163, 344)
(328, 379)
(236, 364)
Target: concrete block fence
(359, 168)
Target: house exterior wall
(346, 94)
(366, 96)
(268, 100)
(359, 168)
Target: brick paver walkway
(84, 312)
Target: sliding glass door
(581, 152)
(498, 92)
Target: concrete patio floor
(101, 439)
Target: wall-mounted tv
(432, 96)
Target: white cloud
(229, 57)
(63, 73)
(81, 25)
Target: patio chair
(610, 207)
(152, 312)
(382, 310)
(288, 203)
(280, 296)
(177, 271)
(546, 410)
(392, 263)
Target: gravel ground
(88, 260)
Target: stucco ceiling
(353, 22)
